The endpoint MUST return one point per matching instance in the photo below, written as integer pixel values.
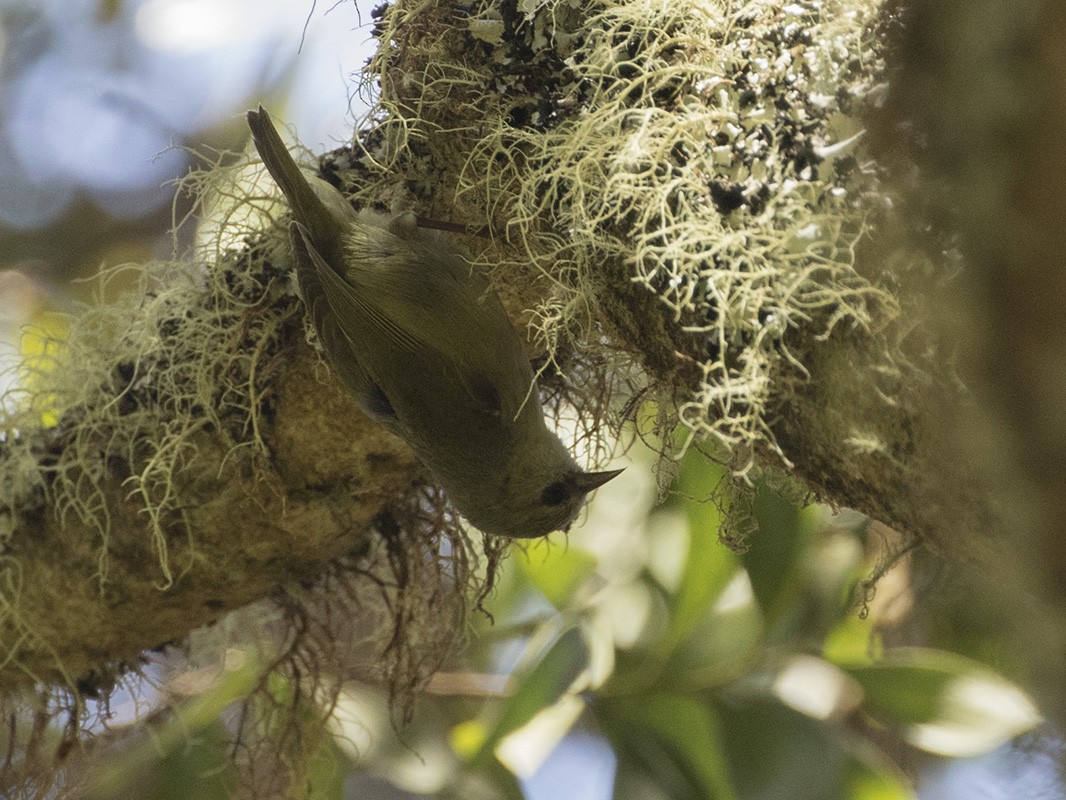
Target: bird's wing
(429, 295)
(311, 272)
(345, 302)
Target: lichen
(166, 390)
(700, 154)
(673, 192)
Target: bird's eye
(555, 493)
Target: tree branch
(242, 519)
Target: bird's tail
(307, 207)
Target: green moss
(702, 154)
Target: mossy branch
(691, 183)
(685, 183)
(149, 516)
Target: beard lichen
(700, 162)
(680, 181)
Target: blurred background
(102, 104)
(640, 658)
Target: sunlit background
(104, 105)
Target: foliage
(710, 674)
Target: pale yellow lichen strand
(625, 185)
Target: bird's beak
(587, 481)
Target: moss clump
(203, 459)
(681, 177)
(673, 190)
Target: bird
(423, 342)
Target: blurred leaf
(853, 641)
(633, 782)
(815, 687)
(326, 775)
(773, 552)
(524, 751)
(674, 739)
(722, 642)
(710, 565)
(946, 704)
(505, 785)
(556, 570)
(192, 770)
(544, 684)
(872, 778)
(490, 780)
(713, 623)
(774, 752)
(173, 738)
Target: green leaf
(544, 684)
(675, 739)
(710, 565)
(721, 643)
(325, 780)
(946, 703)
(199, 769)
(775, 752)
(854, 640)
(871, 778)
(713, 622)
(186, 740)
(556, 570)
(783, 535)
(489, 779)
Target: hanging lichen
(673, 195)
